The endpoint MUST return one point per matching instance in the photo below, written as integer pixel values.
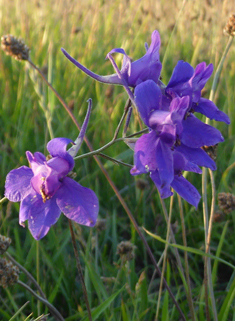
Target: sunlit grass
(88, 30)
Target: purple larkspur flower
(173, 143)
(185, 81)
(147, 67)
(45, 189)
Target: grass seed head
(126, 250)
(226, 202)
(9, 273)
(15, 47)
(4, 244)
(230, 26)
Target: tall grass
(88, 30)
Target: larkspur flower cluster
(176, 136)
(172, 145)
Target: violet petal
(147, 98)
(35, 160)
(145, 153)
(210, 110)
(17, 184)
(186, 190)
(201, 75)
(182, 72)
(41, 216)
(57, 147)
(149, 66)
(191, 167)
(126, 64)
(164, 191)
(78, 203)
(164, 159)
(197, 134)
(197, 156)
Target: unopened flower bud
(4, 244)
(15, 47)
(9, 273)
(226, 202)
(126, 250)
(230, 26)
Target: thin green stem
(219, 69)
(206, 220)
(154, 272)
(98, 151)
(38, 269)
(48, 120)
(79, 267)
(29, 275)
(165, 256)
(207, 259)
(173, 237)
(126, 109)
(113, 141)
(3, 200)
(51, 308)
(56, 93)
(188, 293)
(115, 161)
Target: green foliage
(88, 30)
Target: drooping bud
(230, 26)
(15, 47)
(226, 202)
(4, 244)
(9, 273)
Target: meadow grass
(88, 30)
